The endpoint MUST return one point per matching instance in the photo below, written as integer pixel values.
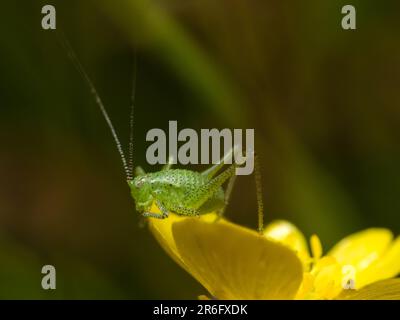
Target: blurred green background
(324, 102)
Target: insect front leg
(179, 210)
(164, 212)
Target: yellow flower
(234, 262)
(351, 269)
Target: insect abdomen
(179, 186)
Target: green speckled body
(181, 191)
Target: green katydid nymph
(181, 191)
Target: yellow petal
(287, 234)
(363, 248)
(327, 282)
(388, 266)
(306, 286)
(381, 290)
(162, 231)
(234, 262)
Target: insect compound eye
(139, 183)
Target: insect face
(141, 192)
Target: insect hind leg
(212, 171)
(228, 193)
(198, 198)
(260, 203)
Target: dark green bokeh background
(324, 102)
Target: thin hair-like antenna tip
(131, 117)
(75, 61)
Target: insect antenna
(130, 155)
(260, 203)
(75, 61)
